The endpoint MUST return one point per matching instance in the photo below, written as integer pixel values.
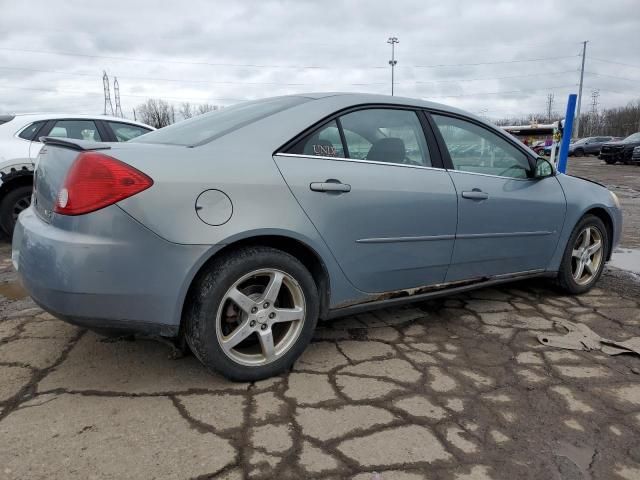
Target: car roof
(33, 117)
(351, 98)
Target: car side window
(386, 135)
(125, 131)
(29, 132)
(324, 142)
(78, 129)
(477, 150)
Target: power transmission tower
(108, 106)
(594, 110)
(116, 93)
(392, 41)
(549, 106)
(576, 130)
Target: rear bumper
(105, 271)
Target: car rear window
(205, 128)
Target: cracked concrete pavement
(457, 388)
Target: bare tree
(186, 110)
(156, 112)
(618, 121)
(206, 107)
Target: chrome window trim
(374, 162)
(355, 160)
(453, 170)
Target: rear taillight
(95, 181)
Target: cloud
(224, 52)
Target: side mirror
(544, 168)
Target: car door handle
(330, 187)
(475, 194)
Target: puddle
(626, 259)
(13, 291)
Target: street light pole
(392, 41)
(576, 132)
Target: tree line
(617, 121)
(159, 113)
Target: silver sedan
(237, 230)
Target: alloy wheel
(587, 255)
(260, 317)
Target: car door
(591, 145)
(507, 222)
(599, 141)
(376, 193)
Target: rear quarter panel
(262, 202)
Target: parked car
(538, 147)
(237, 230)
(588, 146)
(19, 146)
(635, 156)
(621, 151)
(546, 151)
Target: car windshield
(581, 141)
(205, 128)
(633, 138)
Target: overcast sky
(477, 55)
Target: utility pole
(108, 106)
(549, 107)
(576, 131)
(392, 41)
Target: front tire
(252, 313)
(584, 256)
(578, 153)
(13, 203)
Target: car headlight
(616, 201)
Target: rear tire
(14, 202)
(610, 161)
(233, 299)
(582, 250)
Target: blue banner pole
(566, 133)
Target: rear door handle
(475, 194)
(330, 187)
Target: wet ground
(454, 389)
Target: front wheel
(584, 256)
(252, 313)
(578, 153)
(12, 205)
